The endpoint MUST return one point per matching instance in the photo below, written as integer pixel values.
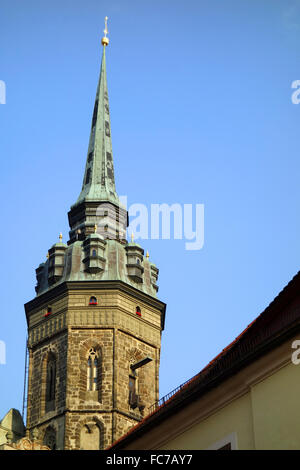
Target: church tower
(94, 327)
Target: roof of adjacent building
(276, 323)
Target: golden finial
(147, 254)
(95, 228)
(132, 238)
(47, 255)
(105, 40)
(60, 237)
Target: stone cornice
(63, 288)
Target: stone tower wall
(118, 336)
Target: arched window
(92, 371)
(138, 311)
(93, 301)
(50, 383)
(50, 438)
(94, 253)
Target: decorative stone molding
(25, 444)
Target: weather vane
(105, 40)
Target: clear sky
(201, 113)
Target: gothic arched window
(50, 383)
(93, 370)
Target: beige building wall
(235, 418)
(276, 409)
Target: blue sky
(201, 113)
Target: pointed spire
(99, 180)
(98, 201)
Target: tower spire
(98, 187)
(99, 181)
(78, 337)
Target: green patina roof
(114, 261)
(99, 180)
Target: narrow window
(107, 129)
(94, 253)
(95, 373)
(52, 373)
(133, 398)
(49, 311)
(88, 175)
(93, 301)
(89, 373)
(92, 370)
(138, 311)
(95, 114)
(50, 383)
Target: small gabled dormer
(94, 246)
(154, 276)
(56, 261)
(135, 258)
(39, 276)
